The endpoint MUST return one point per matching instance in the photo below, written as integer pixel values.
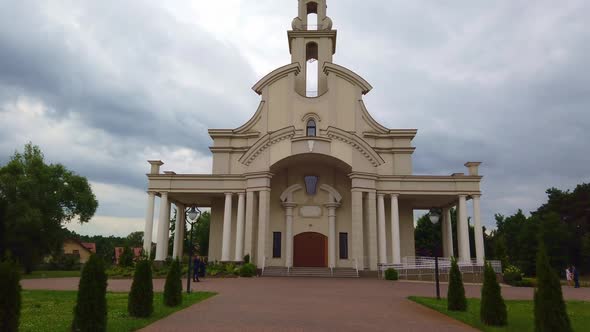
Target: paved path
(290, 304)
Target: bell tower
(311, 45)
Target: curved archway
(310, 249)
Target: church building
(312, 180)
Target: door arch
(310, 250)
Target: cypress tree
(90, 313)
(493, 309)
(10, 298)
(550, 310)
(173, 286)
(456, 293)
(141, 297)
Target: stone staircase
(313, 272)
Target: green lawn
(52, 310)
(51, 274)
(520, 314)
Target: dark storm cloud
(128, 68)
(504, 82)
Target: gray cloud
(503, 82)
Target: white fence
(425, 266)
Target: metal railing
(425, 266)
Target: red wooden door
(310, 250)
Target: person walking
(196, 267)
(569, 276)
(203, 269)
(576, 277)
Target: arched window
(312, 16)
(311, 128)
(312, 70)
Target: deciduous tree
(36, 200)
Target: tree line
(562, 224)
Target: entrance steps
(314, 272)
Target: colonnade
(368, 212)
(246, 211)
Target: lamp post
(193, 217)
(434, 216)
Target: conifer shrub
(141, 297)
(173, 287)
(10, 297)
(456, 293)
(126, 258)
(550, 310)
(391, 274)
(90, 312)
(493, 309)
(247, 259)
(248, 270)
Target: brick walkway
(283, 304)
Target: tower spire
(307, 7)
(310, 42)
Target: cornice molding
(276, 75)
(332, 34)
(348, 75)
(266, 141)
(357, 143)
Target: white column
(448, 235)
(263, 215)
(249, 231)
(240, 227)
(149, 224)
(372, 228)
(178, 232)
(381, 224)
(332, 234)
(357, 228)
(395, 233)
(289, 234)
(163, 228)
(226, 239)
(463, 225)
(479, 245)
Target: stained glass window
(311, 184)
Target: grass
(53, 310)
(520, 314)
(51, 274)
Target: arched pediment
(287, 194)
(348, 75)
(357, 143)
(265, 142)
(276, 75)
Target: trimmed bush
(493, 309)
(90, 312)
(10, 298)
(391, 274)
(247, 259)
(550, 310)
(173, 287)
(456, 293)
(141, 296)
(512, 275)
(126, 258)
(248, 270)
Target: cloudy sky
(102, 86)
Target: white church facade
(312, 180)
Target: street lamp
(434, 216)
(193, 218)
